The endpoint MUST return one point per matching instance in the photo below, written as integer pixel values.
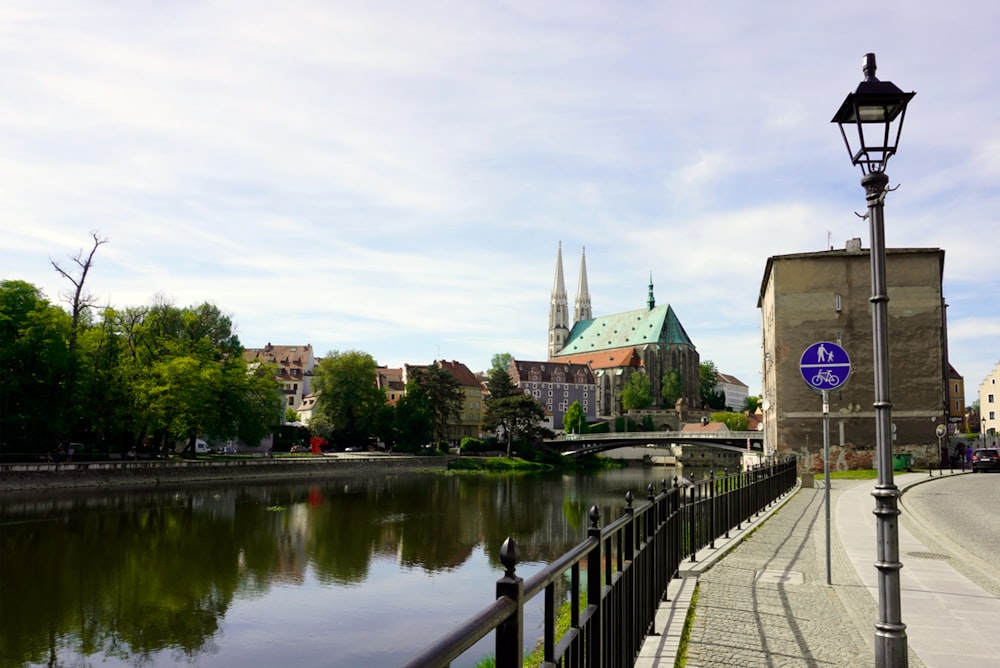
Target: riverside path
(763, 598)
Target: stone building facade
(556, 385)
(825, 296)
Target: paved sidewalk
(766, 603)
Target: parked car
(986, 459)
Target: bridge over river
(578, 445)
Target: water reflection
(289, 574)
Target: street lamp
(876, 109)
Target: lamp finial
(868, 66)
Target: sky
(396, 177)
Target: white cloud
(399, 175)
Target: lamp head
(876, 109)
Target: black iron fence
(618, 575)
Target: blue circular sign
(825, 366)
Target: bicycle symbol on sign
(825, 377)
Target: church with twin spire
(648, 340)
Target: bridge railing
(617, 575)
(659, 435)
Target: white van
(200, 447)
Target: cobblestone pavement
(767, 602)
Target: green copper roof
(632, 328)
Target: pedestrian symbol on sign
(825, 366)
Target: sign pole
(826, 476)
(825, 366)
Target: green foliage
(494, 464)
(707, 384)
(599, 428)
(413, 426)
(672, 389)
(647, 423)
(35, 364)
(735, 421)
(291, 415)
(574, 419)
(510, 410)
(348, 396)
(194, 381)
(470, 445)
(625, 424)
(501, 362)
(751, 404)
(519, 417)
(444, 395)
(637, 393)
(500, 385)
(151, 374)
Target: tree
(198, 383)
(501, 361)
(413, 422)
(499, 383)
(520, 417)
(348, 395)
(445, 396)
(35, 363)
(735, 421)
(78, 299)
(751, 404)
(499, 386)
(673, 388)
(708, 383)
(574, 419)
(637, 392)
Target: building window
(993, 415)
(989, 398)
(291, 401)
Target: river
(336, 573)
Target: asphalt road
(959, 518)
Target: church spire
(582, 310)
(652, 300)
(558, 309)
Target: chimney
(854, 245)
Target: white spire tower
(582, 310)
(558, 309)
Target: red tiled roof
(461, 373)
(604, 359)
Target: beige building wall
(989, 406)
(825, 296)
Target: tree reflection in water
(327, 573)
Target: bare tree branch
(77, 298)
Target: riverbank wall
(57, 476)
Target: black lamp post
(876, 109)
